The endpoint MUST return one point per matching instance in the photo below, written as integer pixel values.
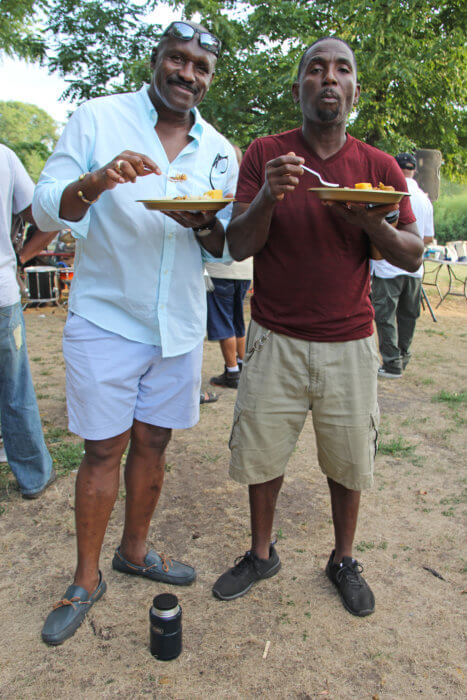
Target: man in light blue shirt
(133, 339)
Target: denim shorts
(110, 380)
(281, 380)
(225, 309)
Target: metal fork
(323, 182)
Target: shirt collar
(196, 130)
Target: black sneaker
(228, 379)
(356, 594)
(389, 373)
(247, 570)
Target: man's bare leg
(263, 498)
(229, 351)
(240, 343)
(345, 504)
(144, 475)
(96, 491)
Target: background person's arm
(39, 240)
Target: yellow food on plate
(369, 186)
(213, 194)
(210, 194)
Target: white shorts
(111, 380)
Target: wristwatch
(205, 229)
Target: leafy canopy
(18, 34)
(30, 132)
(411, 57)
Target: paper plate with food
(363, 192)
(212, 200)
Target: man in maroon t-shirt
(310, 343)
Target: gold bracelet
(80, 192)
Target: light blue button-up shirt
(137, 272)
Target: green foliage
(18, 30)
(100, 46)
(30, 132)
(411, 59)
(450, 217)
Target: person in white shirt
(134, 337)
(395, 293)
(25, 449)
(226, 322)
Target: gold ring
(118, 166)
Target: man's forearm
(72, 205)
(214, 242)
(36, 244)
(248, 232)
(401, 247)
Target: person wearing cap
(396, 293)
(137, 308)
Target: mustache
(183, 84)
(328, 92)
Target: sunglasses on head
(185, 32)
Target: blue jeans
(25, 448)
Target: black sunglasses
(185, 32)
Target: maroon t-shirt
(311, 279)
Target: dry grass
(411, 647)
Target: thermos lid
(165, 602)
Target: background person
(310, 341)
(134, 336)
(396, 293)
(225, 312)
(25, 449)
(225, 316)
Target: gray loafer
(156, 567)
(70, 612)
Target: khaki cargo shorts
(282, 379)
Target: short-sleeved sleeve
(23, 186)
(251, 176)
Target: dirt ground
(410, 529)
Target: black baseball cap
(406, 161)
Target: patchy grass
(66, 456)
(397, 447)
(452, 398)
(56, 434)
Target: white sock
(232, 369)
